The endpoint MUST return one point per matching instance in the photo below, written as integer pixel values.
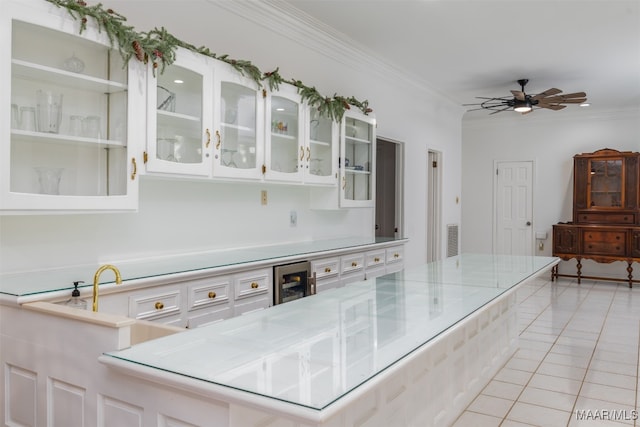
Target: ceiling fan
(523, 103)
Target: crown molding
(632, 113)
(284, 19)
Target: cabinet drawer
(248, 305)
(250, 284)
(374, 259)
(352, 263)
(326, 268)
(394, 255)
(152, 306)
(606, 218)
(208, 292)
(208, 316)
(604, 242)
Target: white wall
(178, 216)
(551, 140)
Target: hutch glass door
(605, 183)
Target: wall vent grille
(452, 240)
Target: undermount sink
(145, 330)
(127, 331)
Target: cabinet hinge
(434, 163)
(264, 169)
(145, 157)
(496, 171)
(264, 93)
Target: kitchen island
(409, 348)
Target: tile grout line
(550, 284)
(575, 311)
(586, 371)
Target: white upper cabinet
(357, 153)
(284, 135)
(238, 136)
(180, 116)
(300, 145)
(69, 115)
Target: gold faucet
(96, 278)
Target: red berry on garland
(157, 53)
(82, 3)
(110, 11)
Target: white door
(514, 208)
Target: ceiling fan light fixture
(522, 106)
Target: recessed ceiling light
(280, 109)
(178, 81)
(585, 104)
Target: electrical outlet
(293, 218)
(263, 197)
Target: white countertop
(42, 282)
(313, 351)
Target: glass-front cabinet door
(238, 139)
(65, 128)
(285, 157)
(180, 116)
(605, 183)
(321, 151)
(357, 156)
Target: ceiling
(468, 48)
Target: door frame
(433, 206)
(496, 163)
(399, 185)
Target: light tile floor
(577, 360)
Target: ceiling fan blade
(548, 92)
(554, 107)
(518, 94)
(559, 99)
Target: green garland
(158, 46)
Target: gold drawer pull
(354, 264)
(327, 269)
(212, 295)
(206, 145)
(218, 140)
(159, 305)
(254, 285)
(396, 255)
(376, 259)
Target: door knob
(528, 223)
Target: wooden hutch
(606, 213)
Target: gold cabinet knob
(212, 295)
(396, 255)
(376, 259)
(354, 264)
(327, 269)
(159, 305)
(254, 285)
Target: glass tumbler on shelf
(75, 125)
(49, 111)
(28, 119)
(91, 127)
(15, 119)
(49, 179)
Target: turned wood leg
(554, 272)
(579, 266)
(630, 276)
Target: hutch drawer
(205, 293)
(152, 306)
(604, 242)
(606, 218)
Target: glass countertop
(312, 351)
(30, 283)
